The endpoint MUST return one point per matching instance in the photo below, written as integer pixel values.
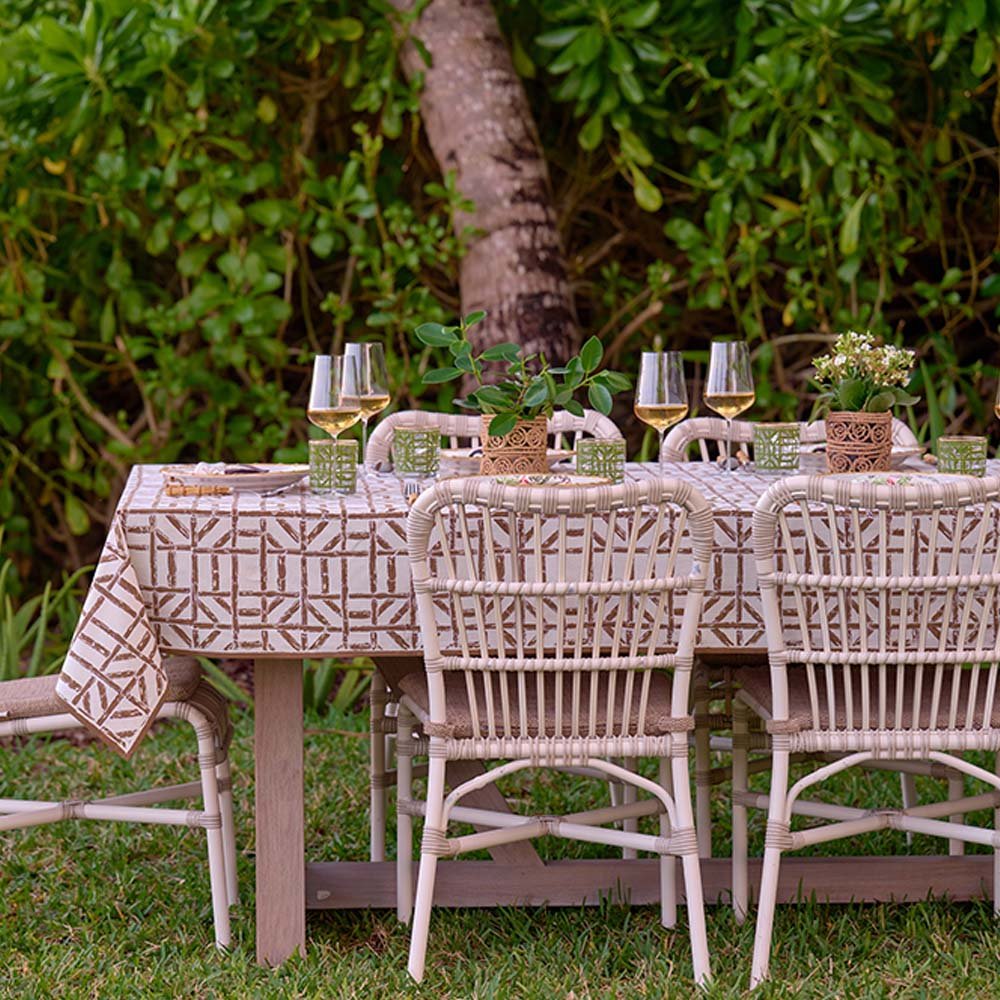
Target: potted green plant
(861, 381)
(516, 406)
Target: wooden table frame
(287, 885)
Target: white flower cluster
(857, 356)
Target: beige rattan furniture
(463, 430)
(887, 656)
(709, 435)
(30, 706)
(569, 652)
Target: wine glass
(334, 397)
(661, 398)
(373, 380)
(729, 388)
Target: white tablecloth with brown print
(303, 575)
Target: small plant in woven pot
(861, 381)
(515, 407)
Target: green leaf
(268, 212)
(493, 395)
(502, 423)
(474, 317)
(600, 398)
(982, 53)
(881, 402)
(574, 407)
(647, 196)
(851, 394)
(903, 398)
(592, 132)
(990, 287)
(76, 515)
(850, 229)
(641, 16)
(559, 38)
(591, 354)
(537, 393)
(501, 352)
(436, 375)
(435, 335)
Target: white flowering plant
(862, 375)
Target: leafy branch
(530, 386)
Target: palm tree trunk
(479, 124)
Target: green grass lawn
(93, 910)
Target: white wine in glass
(729, 388)
(334, 399)
(661, 398)
(373, 382)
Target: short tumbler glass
(333, 466)
(963, 456)
(601, 457)
(776, 447)
(416, 451)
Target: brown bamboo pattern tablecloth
(302, 575)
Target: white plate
(551, 479)
(275, 477)
(466, 460)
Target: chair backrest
(465, 430)
(886, 595)
(554, 603)
(709, 434)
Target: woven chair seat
(33, 697)
(755, 691)
(459, 720)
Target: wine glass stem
(729, 445)
(364, 443)
(660, 452)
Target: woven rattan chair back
(707, 436)
(887, 597)
(556, 605)
(464, 430)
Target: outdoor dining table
(292, 575)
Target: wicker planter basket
(858, 442)
(523, 450)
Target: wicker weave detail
(859, 442)
(523, 450)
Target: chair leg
(691, 865)
(213, 829)
(404, 820)
(996, 850)
(433, 828)
(702, 769)
(772, 862)
(956, 789)
(668, 864)
(740, 765)
(377, 761)
(908, 786)
(629, 795)
(223, 776)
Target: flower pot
(858, 442)
(524, 449)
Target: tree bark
(479, 124)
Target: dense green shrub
(197, 196)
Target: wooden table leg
(281, 893)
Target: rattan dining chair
(572, 616)
(29, 705)
(465, 430)
(462, 430)
(881, 611)
(707, 437)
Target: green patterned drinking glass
(333, 466)
(776, 447)
(601, 457)
(416, 451)
(963, 456)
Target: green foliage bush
(195, 196)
